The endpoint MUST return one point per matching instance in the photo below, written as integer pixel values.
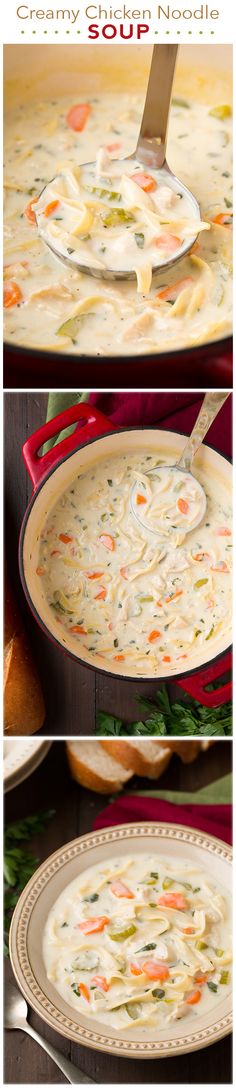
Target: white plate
(21, 756)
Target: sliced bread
(140, 756)
(95, 768)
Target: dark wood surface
(75, 810)
(73, 693)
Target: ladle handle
(151, 146)
(210, 407)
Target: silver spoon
(151, 153)
(210, 407)
(15, 1016)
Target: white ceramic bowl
(46, 885)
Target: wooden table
(76, 808)
(73, 693)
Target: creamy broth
(140, 942)
(48, 305)
(129, 595)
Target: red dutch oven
(51, 473)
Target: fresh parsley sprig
(19, 863)
(180, 718)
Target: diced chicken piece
(181, 1010)
(139, 326)
(102, 162)
(165, 198)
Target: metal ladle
(210, 407)
(151, 153)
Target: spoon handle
(151, 146)
(210, 407)
(73, 1075)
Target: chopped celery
(122, 934)
(116, 216)
(224, 978)
(145, 600)
(219, 952)
(210, 633)
(61, 602)
(167, 883)
(200, 945)
(103, 192)
(139, 238)
(71, 327)
(133, 1010)
(221, 112)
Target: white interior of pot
(57, 876)
(36, 71)
(215, 468)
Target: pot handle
(90, 424)
(196, 684)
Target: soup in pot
(52, 306)
(143, 593)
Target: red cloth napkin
(214, 819)
(172, 411)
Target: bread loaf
(107, 765)
(24, 709)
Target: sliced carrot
(172, 597)
(145, 181)
(221, 567)
(54, 204)
(40, 571)
(171, 293)
(155, 970)
(29, 210)
(101, 596)
(224, 219)
(65, 539)
(153, 636)
(200, 979)
(173, 899)
(108, 541)
(200, 556)
(123, 572)
(188, 929)
(112, 147)
(94, 925)
(101, 982)
(12, 294)
(140, 499)
(56, 551)
(168, 242)
(84, 991)
(93, 574)
(78, 115)
(78, 630)
(183, 506)
(223, 531)
(135, 969)
(166, 657)
(193, 998)
(119, 657)
(121, 890)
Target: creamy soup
(114, 216)
(143, 593)
(50, 305)
(139, 942)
